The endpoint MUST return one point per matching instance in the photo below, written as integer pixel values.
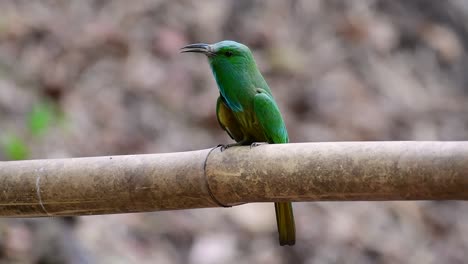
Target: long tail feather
(285, 221)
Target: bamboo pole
(340, 171)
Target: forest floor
(87, 78)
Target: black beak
(198, 48)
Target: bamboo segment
(340, 171)
(104, 185)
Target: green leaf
(14, 148)
(40, 118)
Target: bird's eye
(228, 53)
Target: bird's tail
(285, 221)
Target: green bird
(246, 109)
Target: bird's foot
(256, 144)
(223, 147)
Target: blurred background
(87, 78)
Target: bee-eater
(246, 109)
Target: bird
(246, 110)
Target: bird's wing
(269, 117)
(227, 120)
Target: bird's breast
(250, 125)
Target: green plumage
(246, 109)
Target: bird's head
(224, 54)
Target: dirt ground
(114, 82)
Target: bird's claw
(256, 144)
(221, 147)
(224, 147)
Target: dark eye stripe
(228, 53)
